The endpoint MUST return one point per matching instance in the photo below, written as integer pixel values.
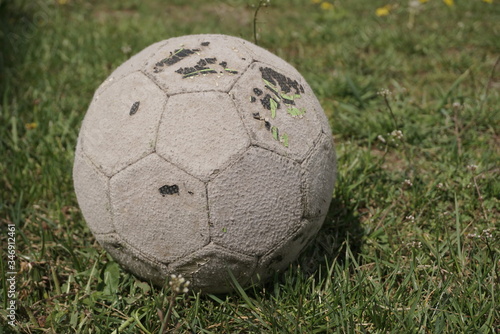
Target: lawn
(411, 243)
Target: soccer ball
(206, 156)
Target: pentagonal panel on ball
(255, 203)
(121, 123)
(159, 209)
(208, 269)
(198, 63)
(201, 132)
(277, 110)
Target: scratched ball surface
(201, 155)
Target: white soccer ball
(204, 155)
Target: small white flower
(408, 183)
(381, 138)
(126, 49)
(178, 284)
(487, 233)
(398, 134)
(384, 92)
(414, 3)
(472, 167)
(410, 218)
(414, 244)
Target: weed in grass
(262, 3)
(178, 285)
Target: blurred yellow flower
(449, 2)
(488, 1)
(30, 126)
(423, 1)
(62, 2)
(316, 1)
(326, 5)
(383, 11)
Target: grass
(411, 242)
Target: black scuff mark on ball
(205, 43)
(169, 190)
(256, 115)
(202, 68)
(223, 64)
(273, 90)
(282, 91)
(266, 102)
(174, 58)
(258, 92)
(134, 108)
(199, 68)
(277, 79)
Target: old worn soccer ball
(204, 155)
